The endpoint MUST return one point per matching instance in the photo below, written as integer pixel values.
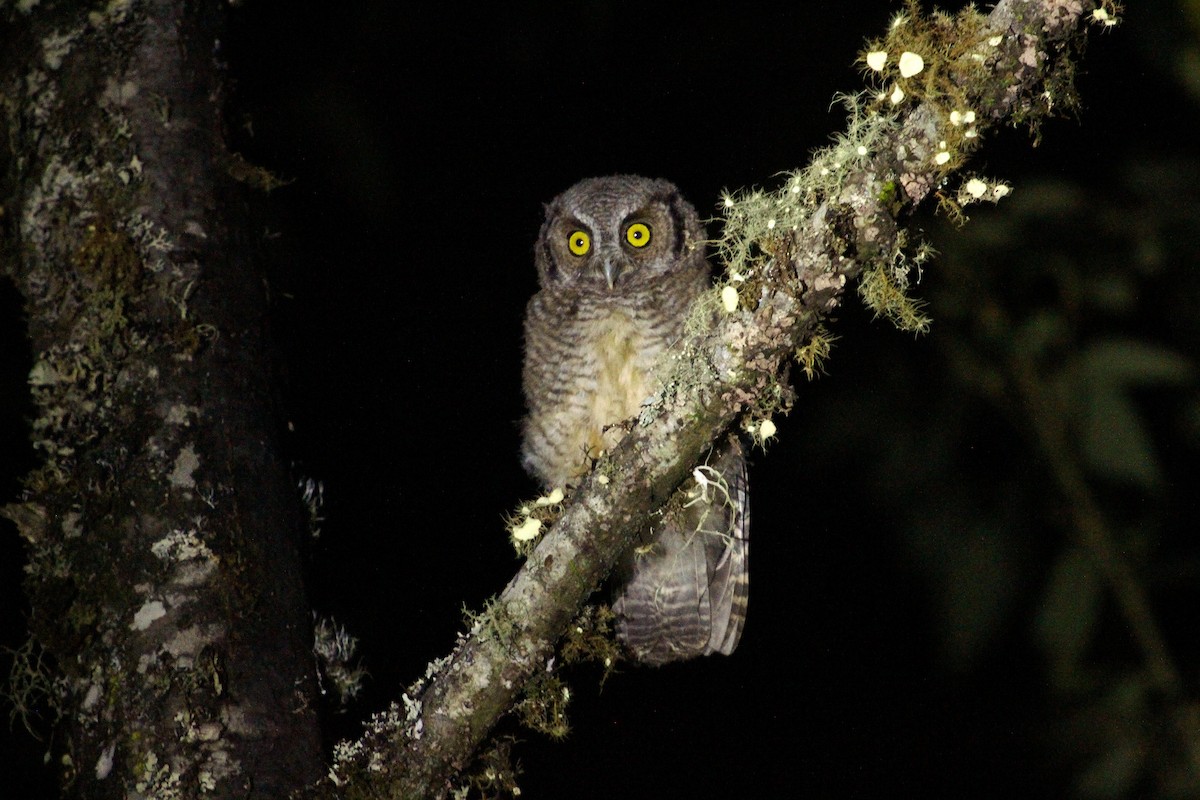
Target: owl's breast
(587, 370)
(621, 372)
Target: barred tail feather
(686, 594)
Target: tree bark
(162, 529)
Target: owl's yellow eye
(638, 234)
(579, 242)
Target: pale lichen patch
(194, 572)
(219, 766)
(186, 644)
(186, 463)
(55, 47)
(196, 561)
(158, 780)
(180, 414)
(58, 182)
(151, 611)
(91, 698)
(910, 64)
(70, 525)
(181, 546)
(104, 763)
(526, 530)
(115, 12)
(119, 93)
(729, 298)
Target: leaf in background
(1069, 611)
(1113, 437)
(1114, 293)
(1129, 362)
(1041, 332)
(1118, 721)
(1113, 774)
(1113, 440)
(978, 589)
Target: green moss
(888, 194)
(881, 292)
(253, 175)
(591, 638)
(544, 706)
(812, 354)
(494, 773)
(953, 47)
(108, 261)
(494, 622)
(761, 228)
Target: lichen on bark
(161, 505)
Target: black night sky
(421, 142)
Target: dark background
(422, 142)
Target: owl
(619, 261)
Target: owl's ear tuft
(686, 222)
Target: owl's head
(617, 234)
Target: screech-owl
(619, 261)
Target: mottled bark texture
(161, 528)
(790, 256)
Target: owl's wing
(686, 591)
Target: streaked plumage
(619, 261)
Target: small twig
(1091, 532)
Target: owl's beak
(611, 271)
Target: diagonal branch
(789, 256)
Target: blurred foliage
(1072, 315)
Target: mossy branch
(789, 256)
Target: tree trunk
(161, 528)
